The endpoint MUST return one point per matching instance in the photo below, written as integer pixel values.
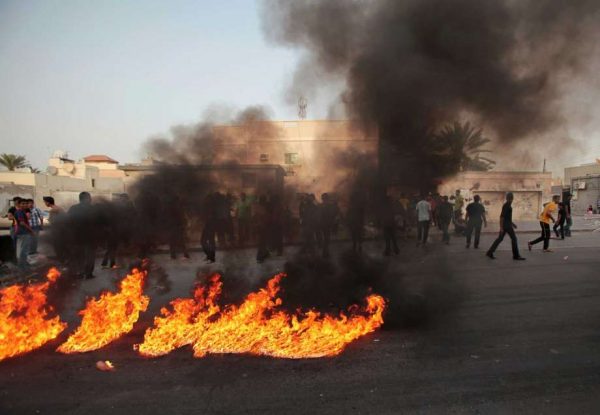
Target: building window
(93, 182)
(264, 158)
(291, 158)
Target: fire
(107, 318)
(24, 322)
(179, 327)
(257, 326)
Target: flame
(24, 322)
(257, 326)
(107, 318)
(178, 328)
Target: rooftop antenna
(302, 104)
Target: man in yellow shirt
(545, 218)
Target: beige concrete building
(64, 179)
(317, 156)
(226, 178)
(531, 190)
(584, 183)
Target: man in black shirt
(475, 217)
(506, 227)
(445, 210)
(84, 227)
(568, 218)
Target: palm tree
(462, 144)
(13, 161)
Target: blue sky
(102, 76)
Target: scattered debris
(105, 366)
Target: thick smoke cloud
(199, 143)
(411, 66)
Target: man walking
(388, 218)
(475, 218)
(55, 217)
(459, 202)
(55, 211)
(569, 219)
(545, 218)
(244, 217)
(85, 236)
(423, 208)
(560, 221)
(506, 227)
(356, 219)
(209, 230)
(23, 234)
(330, 214)
(36, 222)
(445, 211)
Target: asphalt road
(521, 337)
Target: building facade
(584, 183)
(531, 190)
(317, 156)
(64, 179)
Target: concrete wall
(49, 185)
(586, 192)
(531, 190)
(581, 171)
(233, 179)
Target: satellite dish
(69, 167)
(52, 170)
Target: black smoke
(201, 143)
(411, 66)
(418, 294)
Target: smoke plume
(411, 66)
(199, 143)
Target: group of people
(27, 221)
(74, 235)
(319, 222)
(555, 211)
(438, 210)
(261, 221)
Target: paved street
(513, 337)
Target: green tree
(462, 145)
(13, 161)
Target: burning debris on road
(24, 321)
(109, 317)
(257, 326)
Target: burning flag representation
(24, 322)
(257, 326)
(109, 317)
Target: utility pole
(302, 104)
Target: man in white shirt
(424, 218)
